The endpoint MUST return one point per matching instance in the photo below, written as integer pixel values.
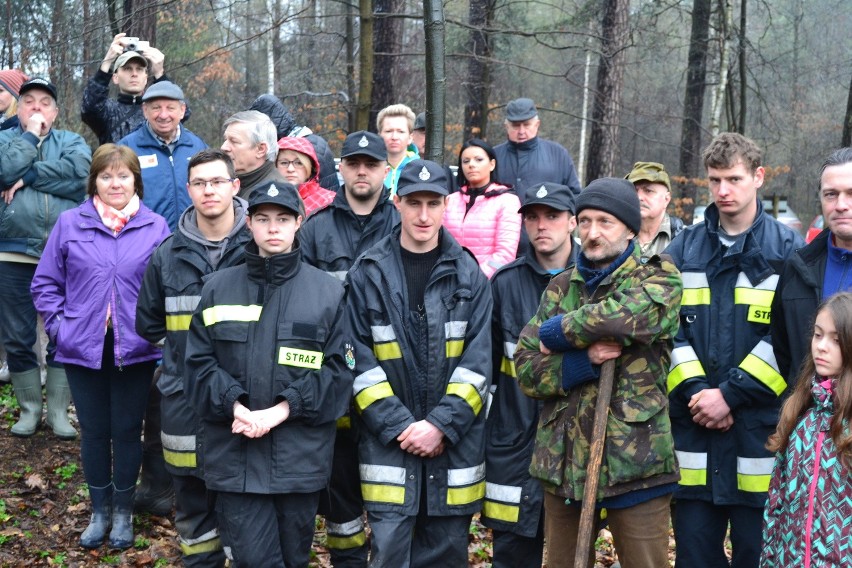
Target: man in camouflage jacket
(613, 305)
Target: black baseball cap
(364, 143)
(38, 83)
(420, 121)
(422, 175)
(275, 192)
(553, 195)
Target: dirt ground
(44, 508)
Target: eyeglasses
(287, 163)
(218, 183)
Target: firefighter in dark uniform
(210, 235)
(266, 375)
(513, 499)
(331, 239)
(419, 310)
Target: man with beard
(655, 192)
(612, 305)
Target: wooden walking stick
(593, 470)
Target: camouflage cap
(649, 171)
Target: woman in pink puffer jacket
(483, 215)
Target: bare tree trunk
(587, 89)
(436, 78)
(366, 62)
(719, 92)
(141, 19)
(846, 139)
(387, 32)
(478, 70)
(10, 39)
(610, 84)
(741, 122)
(352, 108)
(693, 103)
(114, 24)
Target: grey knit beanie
(615, 196)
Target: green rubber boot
(58, 399)
(27, 386)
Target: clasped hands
(709, 409)
(258, 423)
(422, 439)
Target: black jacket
(171, 290)
(286, 125)
(392, 391)
(795, 304)
(333, 237)
(113, 119)
(513, 498)
(535, 161)
(267, 331)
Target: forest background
(615, 81)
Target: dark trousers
(18, 332)
(700, 526)
(420, 541)
(110, 404)
(343, 506)
(515, 551)
(195, 520)
(273, 531)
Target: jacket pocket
(548, 463)
(230, 339)
(299, 351)
(639, 441)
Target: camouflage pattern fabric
(636, 306)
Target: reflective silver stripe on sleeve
(178, 304)
(383, 333)
(382, 474)
(504, 493)
(465, 475)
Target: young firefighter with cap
(612, 305)
(113, 119)
(513, 498)
(419, 309)
(266, 375)
(332, 238)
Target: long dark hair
(488, 150)
(839, 307)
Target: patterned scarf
(112, 217)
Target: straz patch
(760, 314)
(299, 358)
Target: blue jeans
(20, 320)
(110, 405)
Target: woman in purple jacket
(85, 288)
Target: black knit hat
(615, 196)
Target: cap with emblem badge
(364, 143)
(422, 175)
(553, 195)
(275, 192)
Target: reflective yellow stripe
(764, 372)
(752, 296)
(501, 512)
(752, 483)
(371, 394)
(344, 423)
(693, 476)
(695, 297)
(507, 367)
(385, 351)
(468, 393)
(454, 347)
(299, 358)
(211, 545)
(346, 542)
(217, 314)
(465, 495)
(383, 493)
(180, 459)
(178, 323)
(684, 371)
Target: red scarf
(113, 218)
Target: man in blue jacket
(164, 148)
(42, 173)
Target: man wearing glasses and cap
(654, 190)
(419, 310)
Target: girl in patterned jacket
(810, 495)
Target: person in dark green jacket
(42, 174)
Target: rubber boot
(93, 536)
(121, 535)
(58, 399)
(27, 386)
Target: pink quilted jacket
(491, 229)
